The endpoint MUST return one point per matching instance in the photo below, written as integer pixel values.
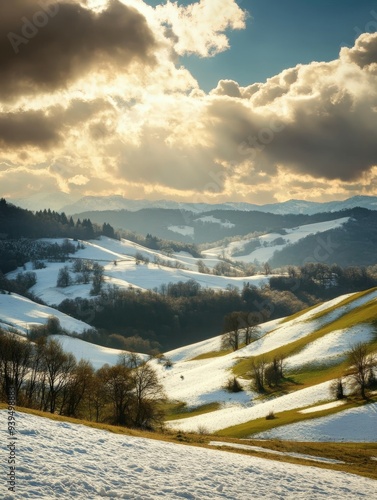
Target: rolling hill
(123, 269)
(314, 344)
(85, 461)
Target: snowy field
(58, 460)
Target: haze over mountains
(63, 202)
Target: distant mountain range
(63, 203)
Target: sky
(204, 101)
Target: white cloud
(200, 27)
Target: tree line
(181, 313)
(47, 378)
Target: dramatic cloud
(364, 52)
(328, 113)
(30, 128)
(96, 102)
(45, 48)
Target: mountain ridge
(117, 202)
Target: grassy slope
(367, 313)
(306, 376)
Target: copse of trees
(325, 281)
(240, 328)
(47, 378)
(177, 314)
(265, 374)
(360, 377)
(160, 244)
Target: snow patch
(353, 425)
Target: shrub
(270, 415)
(337, 389)
(233, 385)
(202, 430)
(168, 363)
(64, 279)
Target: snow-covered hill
(202, 381)
(263, 247)
(61, 460)
(21, 313)
(354, 424)
(96, 354)
(122, 269)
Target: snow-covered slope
(96, 354)
(60, 460)
(122, 269)
(266, 245)
(201, 381)
(354, 424)
(21, 313)
(198, 382)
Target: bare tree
(77, 389)
(149, 393)
(267, 268)
(58, 366)
(274, 371)
(250, 323)
(15, 356)
(258, 374)
(118, 387)
(231, 337)
(361, 365)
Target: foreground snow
(62, 460)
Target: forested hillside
(20, 228)
(352, 245)
(211, 226)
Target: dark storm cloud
(337, 141)
(31, 128)
(44, 128)
(45, 45)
